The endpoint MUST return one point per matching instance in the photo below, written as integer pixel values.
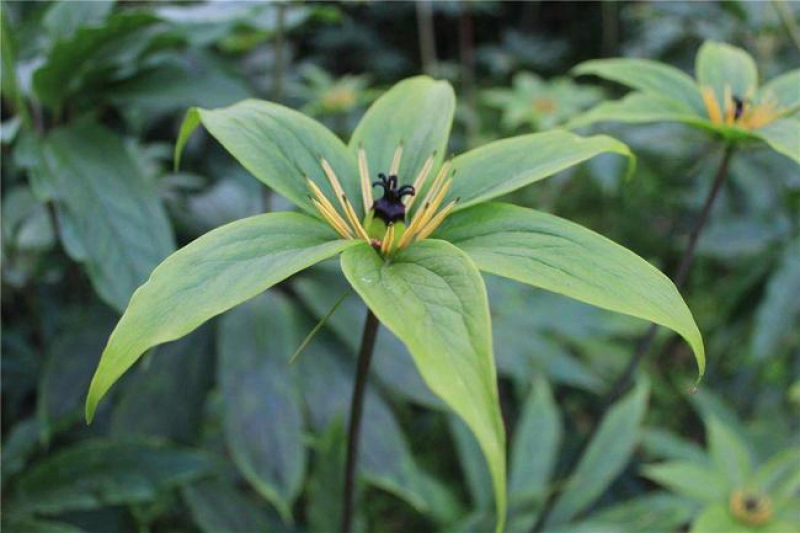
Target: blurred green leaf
(111, 218)
(433, 298)
(662, 444)
(784, 89)
(728, 452)
(779, 476)
(699, 482)
(19, 443)
(536, 443)
(503, 166)
(719, 65)
(263, 416)
(652, 513)
(605, 457)
(218, 271)
(473, 465)
(217, 506)
(639, 107)
(327, 479)
(36, 525)
(97, 473)
(164, 397)
(783, 136)
(64, 17)
(557, 255)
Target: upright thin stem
(467, 52)
(427, 38)
(644, 344)
(356, 409)
(277, 48)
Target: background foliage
(217, 433)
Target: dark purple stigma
(390, 208)
(738, 107)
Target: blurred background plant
(216, 433)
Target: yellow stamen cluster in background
(424, 222)
(753, 115)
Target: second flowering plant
(414, 231)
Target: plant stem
(427, 38)
(643, 345)
(278, 45)
(466, 40)
(356, 408)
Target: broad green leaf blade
(648, 76)
(639, 108)
(606, 456)
(418, 113)
(536, 443)
(110, 216)
(783, 136)
(263, 415)
(473, 465)
(723, 67)
(212, 274)
(690, 479)
(98, 473)
(506, 165)
(324, 505)
(217, 505)
(728, 452)
(280, 147)
(785, 89)
(560, 256)
(656, 512)
(779, 312)
(433, 298)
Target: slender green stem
(427, 37)
(786, 16)
(278, 46)
(643, 346)
(356, 408)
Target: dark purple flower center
(390, 208)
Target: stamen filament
(412, 228)
(388, 238)
(323, 200)
(366, 186)
(436, 221)
(420, 180)
(710, 99)
(351, 215)
(338, 225)
(729, 105)
(398, 153)
(437, 182)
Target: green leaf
(606, 456)
(416, 112)
(99, 473)
(780, 475)
(721, 66)
(784, 88)
(728, 452)
(217, 505)
(648, 76)
(661, 444)
(165, 397)
(473, 464)
(279, 146)
(64, 18)
(687, 478)
(219, 270)
(778, 313)
(263, 415)
(718, 519)
(557, 255)
(325, 483)
(503, 166)
(110, 217)
(653, 513)
(534, 450)
(16, 524)
(640, 108)
(783, 136)
(432, 297)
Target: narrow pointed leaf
(648, 76)
(783, 136)
(639, 108)
(504, 166)
(690, 479)
(279, 146)
(720, 65)
(212, 274)
(560, 256)
(729, 453)
(604, 459)
(785, 88)
(417, 112)
(433, 298)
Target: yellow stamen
(412, 228)
(420, 181)
(435, 222)
(335, 224)
(730, 106)
(323, 200)
(366, 186)
(351, 215)
(712, 105)
(398, 153)
(437, 182)
(388, 238)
